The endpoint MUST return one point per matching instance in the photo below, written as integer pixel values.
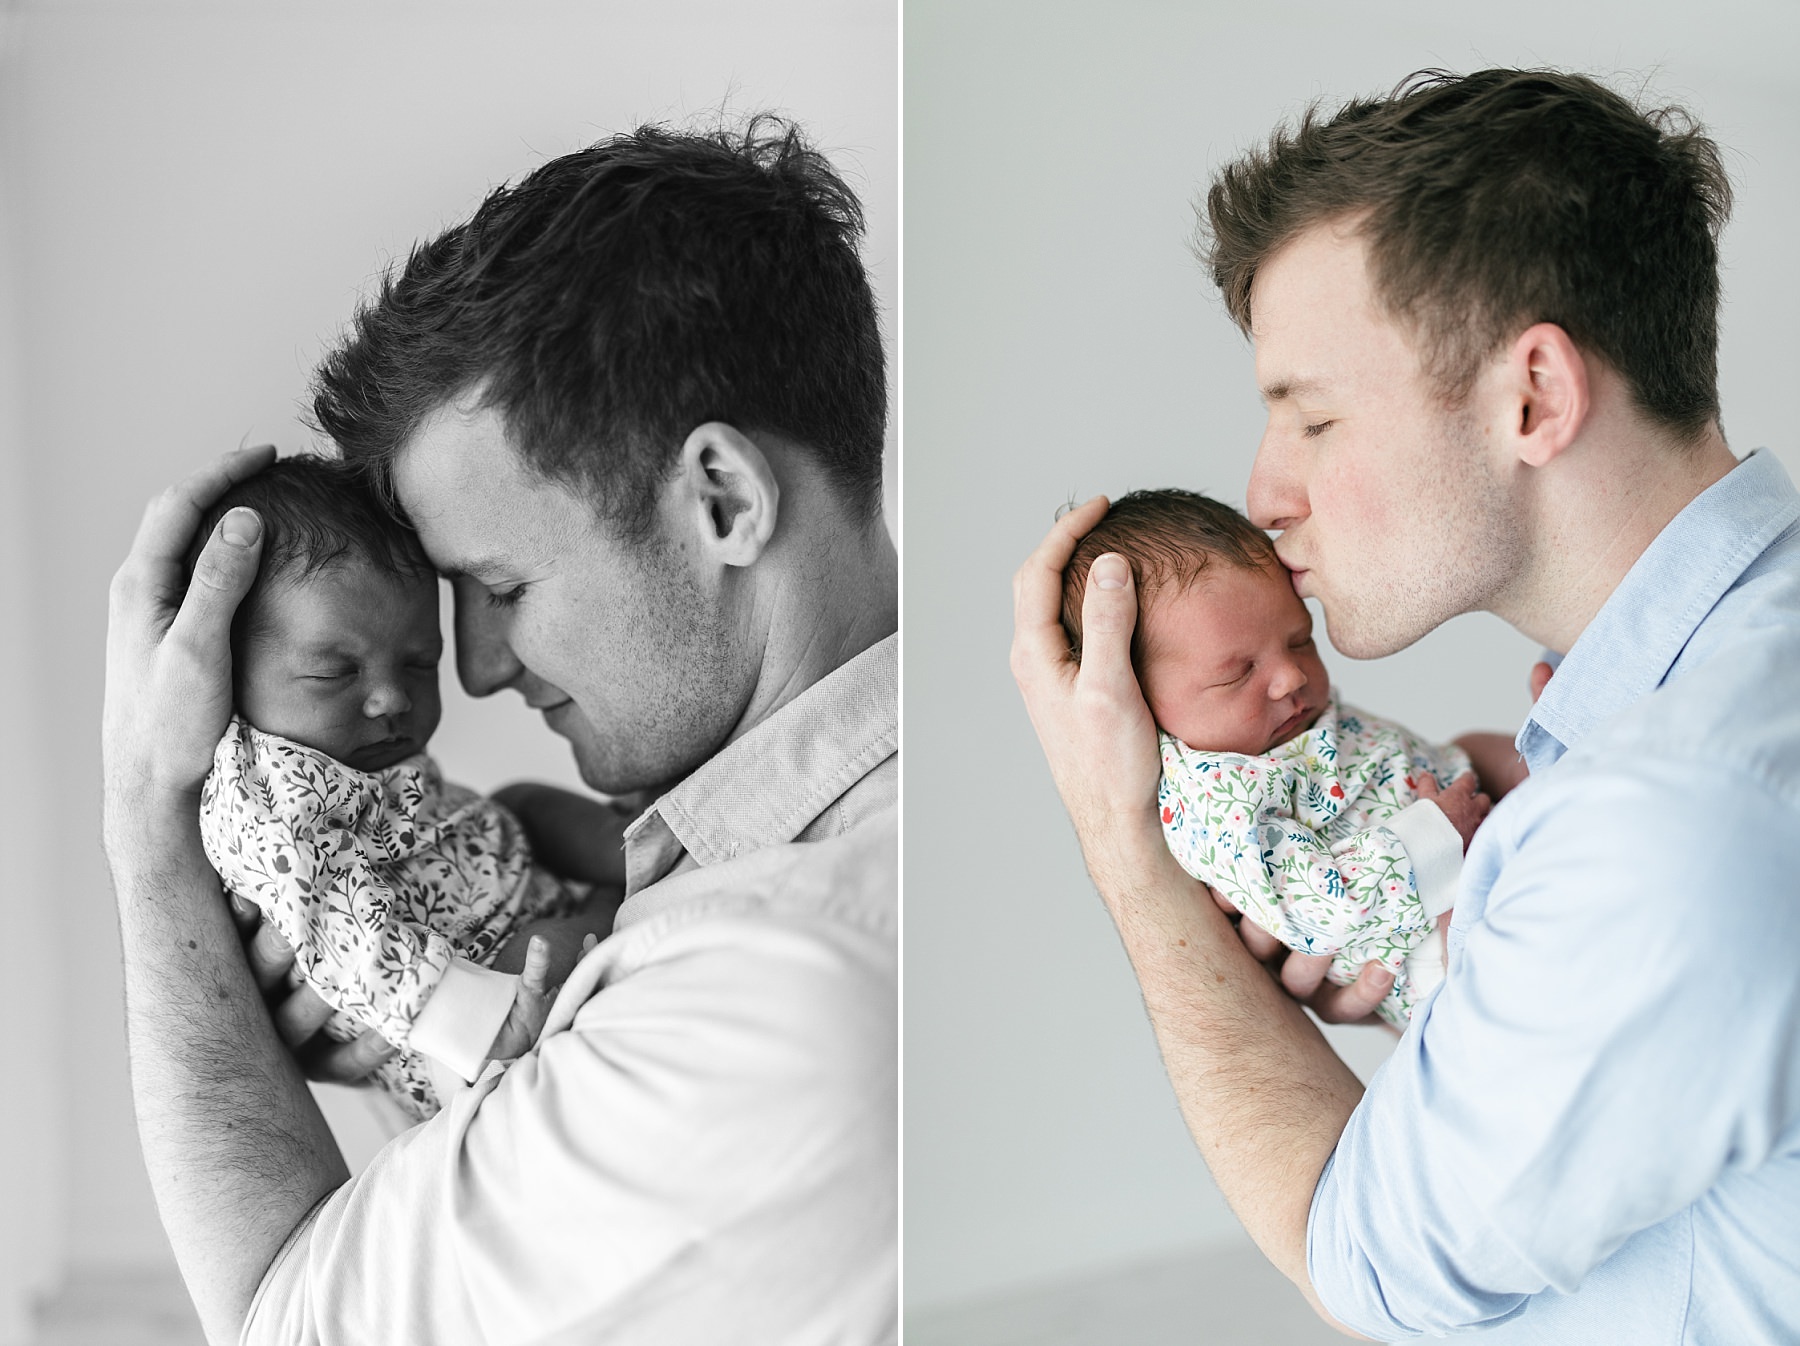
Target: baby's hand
(531, 1006)
(1463, 803)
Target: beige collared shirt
(703, 1145)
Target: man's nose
(484, 660)
(1275, 497)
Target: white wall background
(194, 196)
(1061, 341)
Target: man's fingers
(1039, 640)
(270, 956)
(1262, 945)
(1355, 1002)
(300, 1015)
(1302, 973)
(1108, 616)
(170, 519)
(350, 1062)
(244, 914)
(1425, 785)
(222, 576)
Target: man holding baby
(635, 408)
(1485, 315)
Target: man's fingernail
(1111, 572)
(241, 527)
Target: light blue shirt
(1591, 1133)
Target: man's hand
(299, 1012)
(1237, 1050)
(168, 656)
(236, 1149)
(1302, 975)
(1463, 803)
(1090, 715)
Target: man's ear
(1547, 379)
(728, 493)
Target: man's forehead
(478, 509)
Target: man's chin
(1356, 639)
(617, 780)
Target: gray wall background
(1060, 341)
(192, 196)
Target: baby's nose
(1288, 679)
(387, 699)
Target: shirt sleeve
(1233, 827)
(1589, 1067)
(708, 1152)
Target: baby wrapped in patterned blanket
(400, 893)
(1337, 832)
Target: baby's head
(337, 643)
(1223, 647)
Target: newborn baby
(1322, 824)
(395, 888)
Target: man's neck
(1598, 508)
(837, 599)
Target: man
(635, 407)
(1485, 319)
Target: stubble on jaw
(1462, 555)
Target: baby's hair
(316, 511)
(1170, 537)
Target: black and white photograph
(452, 722)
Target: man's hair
(1171, 537)
(622, 295)
(1500, 199)
(316, 512)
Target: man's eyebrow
(1282, 389)
(480, 568)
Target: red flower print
(1337, 791)
(1168, 814)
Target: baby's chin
(380, 756)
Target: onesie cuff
(1435, 848)
(463, 1015)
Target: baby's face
(1229, 664)
(345, 661)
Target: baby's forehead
(349, 594)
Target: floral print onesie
(377, 880)
(1325, 844)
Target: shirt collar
(764, 788)
(1628, 648)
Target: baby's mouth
(1293, 725)
(384, 752)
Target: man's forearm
(1261, 1090)
(236, 1149)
